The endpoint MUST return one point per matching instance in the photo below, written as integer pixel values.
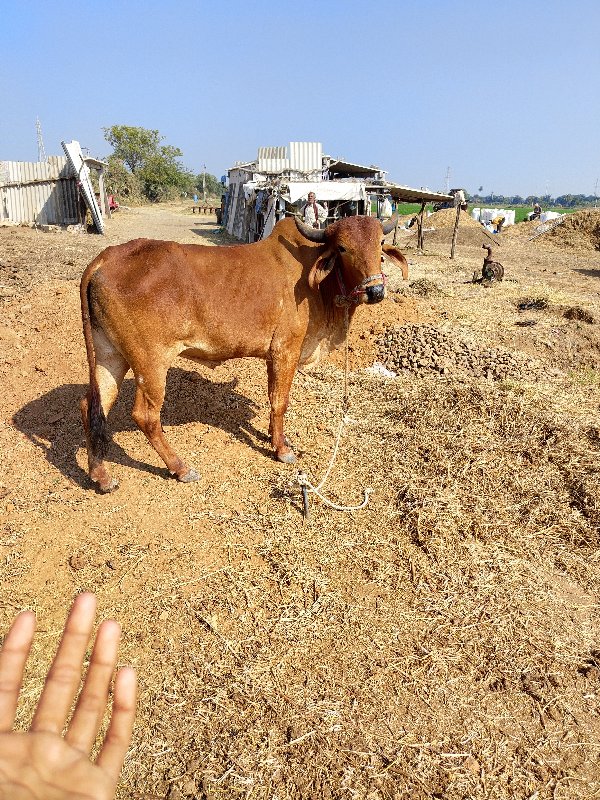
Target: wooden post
(396, 230)
(104, 207)
(420, 240)
(455, 231)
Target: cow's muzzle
(375, 294)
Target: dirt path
(355, 653)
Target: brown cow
(281, 299)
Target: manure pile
(424, 349)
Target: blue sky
(506, 95)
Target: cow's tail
(96, 419)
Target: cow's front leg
(280, 370)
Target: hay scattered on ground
(410, 651)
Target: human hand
(49, 762)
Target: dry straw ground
(442, 643)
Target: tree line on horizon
(142, 168)
(562, 201)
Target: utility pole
(40, 141)
(204, 183)
(448, 181)
(596, 192)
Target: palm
(42, 762)
(46, 766)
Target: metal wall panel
(273, 166)
(40, 192)
(272, 160)
(306, 156)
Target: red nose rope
(344, 299)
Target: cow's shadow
(591, 273)
(52, 422)
(214, 235)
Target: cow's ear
(396, 257)
(321, 269)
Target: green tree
(132, 145)
(155, 167)
(120, 181)
(162, 176)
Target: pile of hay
(579, 231)
(446, 218)
(439, 228)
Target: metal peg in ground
(490, 271)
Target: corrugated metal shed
(306, 156)
(303, 157)
(42, 192)
(272, 160)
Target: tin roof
(357, 170)
(407, 194)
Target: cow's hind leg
(110, 369)
(149, 398)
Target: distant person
(385, 209)
(498, 222)
(48, 761)
(313, 213)
(537, 211)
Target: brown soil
(442, 642)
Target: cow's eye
(382, 242)
(341, 249)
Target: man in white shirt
(313, 213)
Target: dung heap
(424, 349)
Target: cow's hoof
(287, 458)
(109, 486)
(190, 476)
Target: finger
(13, 655)
(118, 735)
(93, 699)
(64, 677)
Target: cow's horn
(314, 234)
(389, 226)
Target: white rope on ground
(302, 477)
